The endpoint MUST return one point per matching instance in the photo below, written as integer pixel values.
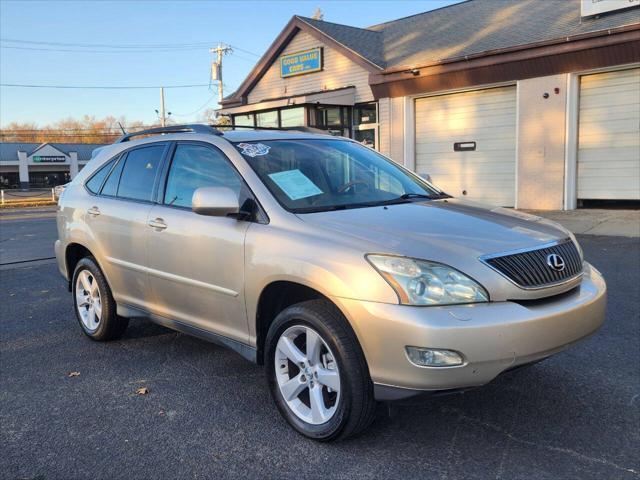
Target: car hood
(454, 226)
(451, 231)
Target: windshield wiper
(430, 196)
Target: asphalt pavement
(208, 414)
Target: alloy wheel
(307, 374)
(88, 300)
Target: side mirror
(215, 201)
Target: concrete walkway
(617, 223)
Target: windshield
(317, 175)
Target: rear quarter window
(95, 182)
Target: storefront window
(292, 117)
(267, 119)
(363, 114)
(243, 120)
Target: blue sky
(248, 25)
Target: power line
(136, 47)
(117, 52)
(103, 87)
(104, 45)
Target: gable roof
(366, 43)
(456, 32)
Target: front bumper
(492, 337)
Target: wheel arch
(273, 299)
(73, 253)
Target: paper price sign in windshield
(295, 184)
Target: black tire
(356, 406)
(110, 326)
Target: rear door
(117, 218)
(196, 262)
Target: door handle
(95, 211)
(158, 223)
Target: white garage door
(486, 117)
(609, 136)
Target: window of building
(292, 117)
(243, 120)
(363, 114)
(95, 182)
(196, 166)
(139, 173)
(267, 119)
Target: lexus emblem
(555, 262)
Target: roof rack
(195, 128)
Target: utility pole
(216, 67)
(163, 118)
(163, 114)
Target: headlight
(419, 282)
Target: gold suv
(351, 279)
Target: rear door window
(139, 173)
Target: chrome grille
(529, 269)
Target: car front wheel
(317, 372)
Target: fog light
(433, 357)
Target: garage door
(486, 117)
(609, 136)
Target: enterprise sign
(299, 63)
(49, 158)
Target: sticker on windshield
(254, 149)
(295, 184)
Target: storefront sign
(301, 62)
(596, 7)
(49, 159)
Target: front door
(196, 262)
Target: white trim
(409, 127)
(571, 142)
(516, 198)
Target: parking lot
(208, 413)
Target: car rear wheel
(94, 304)
(317, 373)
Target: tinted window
(95, 182)
(139, 173)
(196, 166)
(111, 185)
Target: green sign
(298, 63)
(49, 158)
